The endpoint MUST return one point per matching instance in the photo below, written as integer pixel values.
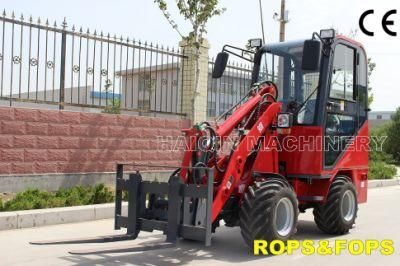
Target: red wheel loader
(297, 140)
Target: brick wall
(46, 141)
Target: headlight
(285, 120)
(255, 43)
(327, 34)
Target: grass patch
(76, 196)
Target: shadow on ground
(227, 246)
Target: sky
(141, 19)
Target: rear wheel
(269, 212)
(337, 216)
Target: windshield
(281, 64)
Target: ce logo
(385, 22)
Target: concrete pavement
(378, 219)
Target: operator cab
(341, 74)
(281, 63)
(322, 82)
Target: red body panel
(306, 158)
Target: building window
(144, 104)
(146, 82)
(211, 109)
(379, 117)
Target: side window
(362, 86)
(342, 82)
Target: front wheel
(337, 216)
(269, 212)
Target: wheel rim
(348, 205)
(284, 217)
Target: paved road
(378, 219)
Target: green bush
(392, 145)
(381, 161)
(79, 195)
(381, 170)
(381, 155)
(1, 205)
(101, 194)
(113, 107)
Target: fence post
(62, 67)
(194, 103)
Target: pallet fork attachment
(179, 219)
(187, 212)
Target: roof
(382, 112)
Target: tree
(113, 105)
(371, 68)
(198, 13)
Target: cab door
(341, 120)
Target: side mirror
(311, 55)
(220, 65)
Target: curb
(383, 183)
(36, 218)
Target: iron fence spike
(108, 35)
(64, 23)
(12, 15)
(47, 22)
(22, 17)
(55, 24)
(39, 21)
(4, 13)
(88, 31)
(30, 19)
(73, 27)
(80, 30)
(95, 33)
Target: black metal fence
(224, 92)
(43, 62)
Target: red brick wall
(47, 141)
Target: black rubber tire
(329, 217)
(257, 221)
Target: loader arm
(235, 169)
(259, 112)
